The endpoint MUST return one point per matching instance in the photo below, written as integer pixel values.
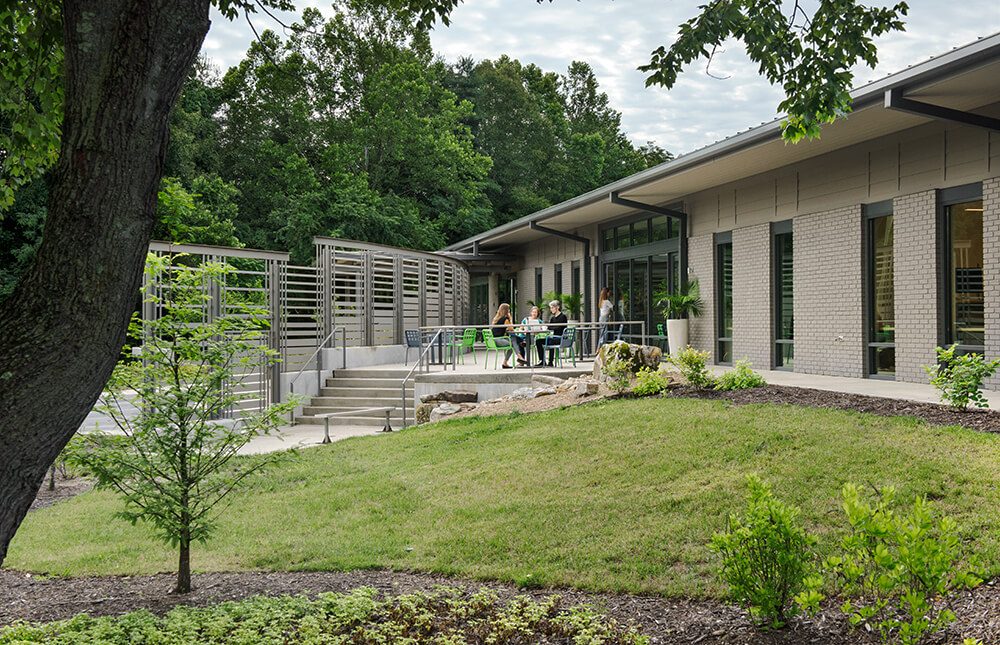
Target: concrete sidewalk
(922, 392)
(304, 436)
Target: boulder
(635, 356)
(450, 396)
(423, 413)
(587, 388)
(522, 394)
(544, 391)
(444, 410)
(542, 379)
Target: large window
(538, 287)
(963, 226)
(557, 279)
(880, 293)
(639, 256)
(641, 232)
(724, 298)
(784, 320)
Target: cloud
(616, 37)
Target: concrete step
(371, 373)
(364, 392)
(366, 382)
(359, 402)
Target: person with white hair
(557, 323)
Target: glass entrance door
(634, 284)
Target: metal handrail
(318, 355)
(420, 360)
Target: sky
(616, 37)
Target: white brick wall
(991, 270)
(701, 264)
(752, 328)
(915, 254)
(828, 293)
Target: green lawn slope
(609, 496)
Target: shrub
(649, 382)
(691, 364)
(897, 565)
(620, 365)
(741, 377)
(960, 378)
(767, 558)
(360, 617)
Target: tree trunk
(62, 329)
(184, 567)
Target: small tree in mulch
(959, 377)
(175, 462)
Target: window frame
(538, 286)
(722, 240)
(779, 229)
(947, 197)
(870, 213)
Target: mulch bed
(27, 597)
(65, 488)
(983, 420)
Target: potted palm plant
(678, 307)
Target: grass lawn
(609, 496)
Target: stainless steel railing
(420, 360)
(318, 355)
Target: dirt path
(27, 597)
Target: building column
(828, 293)
(991, 271)
(494, 292)
(915, 281)
(753, 329)
(701, 266)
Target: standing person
(502, 325)
(606, 309)
(557, 323)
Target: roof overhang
(964, 79)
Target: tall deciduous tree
(120, 65)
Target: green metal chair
(467, 341)
(493, 346)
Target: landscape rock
(544, 391)
(423, 413)
(544, 379)
(637, 356)
(444, 410)
(522, 394)
(450, 396)
(587, 388)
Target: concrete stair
(357, 389)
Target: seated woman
(531, 323)
(502, 325)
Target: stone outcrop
(636, 357)
(450, 396)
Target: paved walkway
(923, 392)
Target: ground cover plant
(445, 617)
(741, 377)
(556, 498)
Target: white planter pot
(677, 335)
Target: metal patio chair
(567, 343)
(413, 341)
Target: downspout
(586, 265)
(680, 216)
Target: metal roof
(978, 53)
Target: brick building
(852, 255)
